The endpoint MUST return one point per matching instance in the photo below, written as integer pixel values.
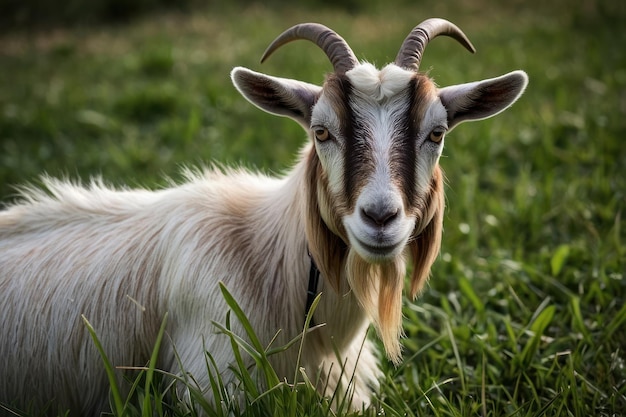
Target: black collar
(311, 293)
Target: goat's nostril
(379, 217)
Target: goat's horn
(335, 47)
(410, 54)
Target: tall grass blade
(241, 316)
(115, 392)
(616, 323)
(558, 259)
(468, 291)
(216, 383)
(258, 351)
(537, 329)
(147, 408)
(457, 356)
(577, 317)
(241, 370)
(305, 330)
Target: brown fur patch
(425, 245)
(404, 153)
(338, 91)
(423, 94)
(327, 249)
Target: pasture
(525, 312)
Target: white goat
(365, 198)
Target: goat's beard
(378, 289)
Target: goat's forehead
(364, 88)
(379, 84)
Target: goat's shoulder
(227, 190)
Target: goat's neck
(284, 216)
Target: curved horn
(410, 54)
(335, 47)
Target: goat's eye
(321, 134)
(436, 135)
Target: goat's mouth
(376, 243)
(376, 253)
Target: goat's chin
(378, 289)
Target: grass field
(525, 314)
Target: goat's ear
(482, 99)
(424, 247)
(280, 96)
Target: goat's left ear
(482, 99)
(280, 96)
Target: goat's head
(376, 193)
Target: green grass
(525, 314)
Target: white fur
(71, 250)
(379, 84)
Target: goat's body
(365, 197)
(124, 258)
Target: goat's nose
(379, 215)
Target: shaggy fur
(69, 250)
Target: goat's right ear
(280, 96)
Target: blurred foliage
(29, 14)
(34, 13)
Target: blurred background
(133, 90)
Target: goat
(364, 199)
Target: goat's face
(378, 135)
(373, 170)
